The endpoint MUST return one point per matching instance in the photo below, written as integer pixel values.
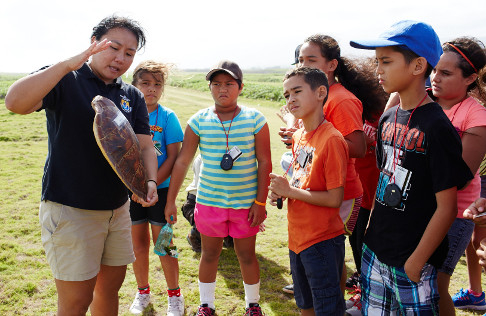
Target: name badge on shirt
(401, 176)
(235, 153)
(157, 150)
(302, 158)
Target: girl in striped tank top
(234, 143)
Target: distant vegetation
(266, 86)
(258, 86)
(5, 81)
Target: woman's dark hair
(360, 80)
(474, 50)
(112, 22)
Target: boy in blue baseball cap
(419, 155)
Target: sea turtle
(119, 145)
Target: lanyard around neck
(298, 144)
(394, 163)
(229, 128)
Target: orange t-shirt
(344, 111)
(327, 155)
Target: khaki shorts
(78, 241)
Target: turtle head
(99, 102)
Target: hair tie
(463, 55)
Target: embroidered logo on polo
(125, 104)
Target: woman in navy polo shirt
(84, 209)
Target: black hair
(473, 49)
(238, 81)
(410, 56)
(113, 21)
(359, 81)
(312, 76)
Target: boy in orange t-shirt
(315, 193)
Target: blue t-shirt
(165, 130)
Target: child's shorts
(316, 272)
(387, 290)
(78, 241)
(154, 214)
(349, 211)
(221, 222)
(459, 236)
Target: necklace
(227, 161)
(393, 194)
(279, 200)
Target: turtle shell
(119, 145)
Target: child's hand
(170, 213)
(412, 270)
(476, 212)
(257, 215)
(273, 198)
(261, 228)
(286, 117)
(75, 62)
(279, 185)
(286, 135)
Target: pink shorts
(221, 222)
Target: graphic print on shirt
(302, 165)
(393, 171)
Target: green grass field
(26, 283)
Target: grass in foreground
(26, 283)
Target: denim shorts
(316, 272)
(459, 236)
(483, 186)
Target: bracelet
(260, 203)
(152, 181)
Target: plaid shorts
(387, 290)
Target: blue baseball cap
(419, 37)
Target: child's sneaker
(352, 281)
(355, 299)
(288, 288)
(140, 302)
(254, 310)
(465, 299)
(175, 306)
(204, 310)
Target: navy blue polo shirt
(76, 173)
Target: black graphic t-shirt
(428, 161)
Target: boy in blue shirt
(419, 155)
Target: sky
(197, 34)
